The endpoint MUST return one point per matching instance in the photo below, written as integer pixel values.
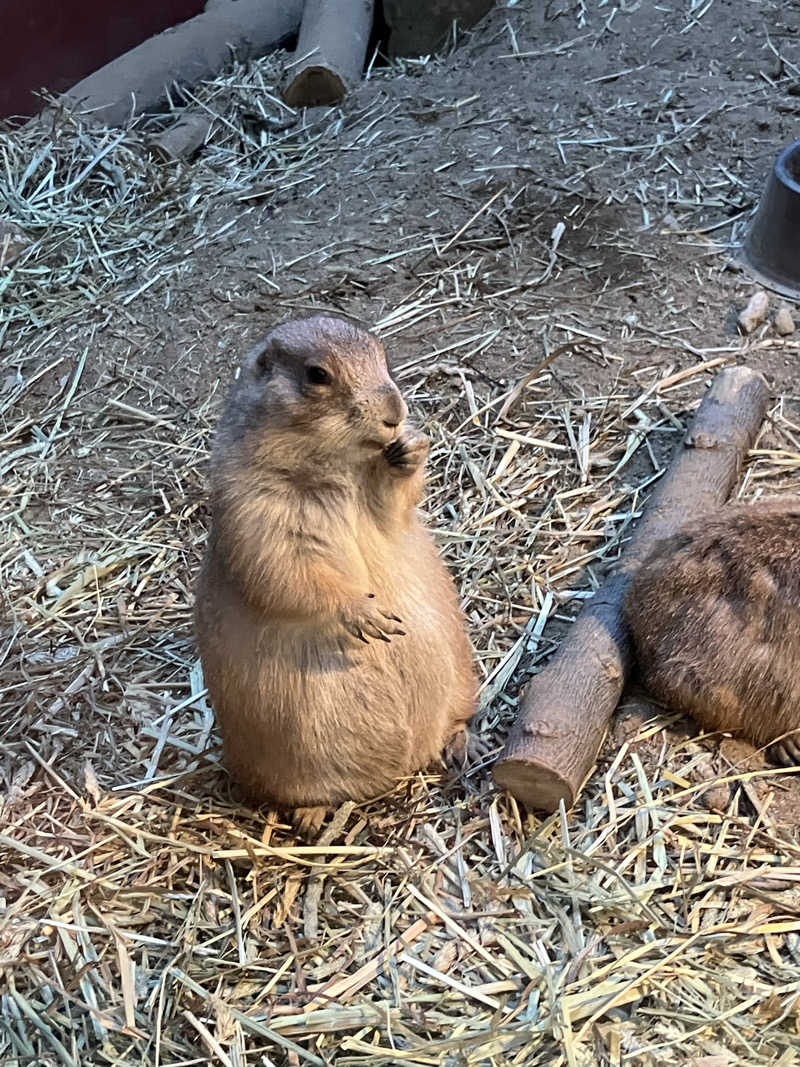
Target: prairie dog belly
(305, 719)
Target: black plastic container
(771, 251)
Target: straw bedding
(146, 916)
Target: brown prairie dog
(715, 617)
(330, 632)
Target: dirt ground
(570, 172)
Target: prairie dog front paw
(363, 618)
(408, 452)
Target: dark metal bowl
(771, 250)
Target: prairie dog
(330, 632)
(715, 617)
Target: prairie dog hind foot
(308, 821)
(786, 752)
(466, 748)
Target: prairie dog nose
(395, 409)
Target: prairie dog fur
(330, 632)
(715, 617)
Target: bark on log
(199, 48)
(566, 708)
(331, 49)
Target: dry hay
(145, 916)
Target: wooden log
(197, 49)
(183, 138)
(331, 49)
(566, 708)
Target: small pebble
(755, 312)
(784, 323)
(13, 241)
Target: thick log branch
(331, 49)
(197, 49)
(566, 708)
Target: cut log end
(315, 87)
(534, 784)
(331, 48)
(182, 139)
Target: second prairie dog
(715, 617)
(332, 640)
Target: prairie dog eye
(318, 375)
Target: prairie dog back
(714, 613)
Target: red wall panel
(54, 43)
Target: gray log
(182, 139)
(193, 51)
(331, 49)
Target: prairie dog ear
(259, 360)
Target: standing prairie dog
(715, 617)
(331, 637)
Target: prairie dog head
(326, 379)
